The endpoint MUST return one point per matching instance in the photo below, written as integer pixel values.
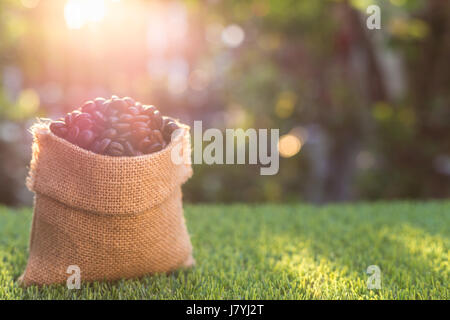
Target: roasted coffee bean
(149, 110)
(103, 145)
(129, 101)
(113, 119)
(94, 146)
(57, 125)
(156, 120)
(129, 150)
(115, 149)
(139, 107)
(126, 117)
(125, 135)
(83, 121)
(85, 138)
(138, 124)
(121, 126)
(153, 148)
(168, 129)
(69, 119)
(133, 111)
(89, 107)
(141, 118)
(119, 105)
(110, 133)
(59, 128)
(144, 144)
(99, 117)
(98, 129)
(110, 111)
(99, 101)
(140, 133)
(106, 104)
(72, 134)
(157, 136)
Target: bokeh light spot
(27, 105)
(78, 12)
(382, 111)
(233, 36)
(289, 145)
(285, 104)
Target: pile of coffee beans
(116, 127)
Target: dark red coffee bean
(94, 146)
(139, 107)
(129, 101)
(158, 136)
(69, 119)
(149, 110)
(89, 107)
(73, 133)
(129, 150)
(140, 133)
(153, 148)
(99, 101)
(115, 149)
(59, 128)
(141, 118)
(126, 117)
(113, 119)
(103, 145)
(57, 125)
(84, 123)
(85, 138)
(119, 105)
(121, 126)
(133, 110)
(99, 117)
(156, 120)
(82, 115)
(144, 144)
(110, 133)
(98, 129)
(125, 135)
(168, 129)
(138, 124)
(106, 103)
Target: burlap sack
(113, 217)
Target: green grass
(276, 252)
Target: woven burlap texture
(113, 217)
